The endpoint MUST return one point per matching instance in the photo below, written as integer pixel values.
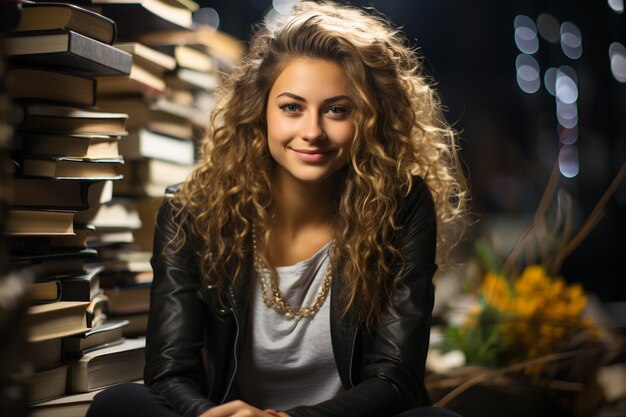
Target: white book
(143, 143)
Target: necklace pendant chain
(273, 298)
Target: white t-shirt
(285, 362)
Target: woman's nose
(312, 130)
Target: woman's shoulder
(171, 209)
(418, 201)
(418, 192)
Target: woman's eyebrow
(297, 97)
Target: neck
(301, 205)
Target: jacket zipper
(355, 332)
(232, 377)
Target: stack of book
(158, 150)
(66, 154)
(203, 57)
(99, 104)
(127, 274)
(13, 286)
(160, 147)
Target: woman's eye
(337, 110)
(289, 107)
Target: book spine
(73, 289)
(96, 51)
(79, 376)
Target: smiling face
(309, 120)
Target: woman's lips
(312, 155)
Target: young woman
(293, 270)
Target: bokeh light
(617, 55)
(566, 89)
(568, 136)
(528, 77)
(568, 161)
(526, 34)
(566, 114)
(571, 40)
(617, 5)
(207, 16)
(284, 6)
(549, 80)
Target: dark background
(509, 138)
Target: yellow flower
(496, 291)
(540, 312)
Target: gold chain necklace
(272, 296)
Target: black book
(57, 263)
(104, 335)
(67, 50)
(81, 287)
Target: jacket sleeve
(393, 370)
(175, 334)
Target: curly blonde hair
(399, 132)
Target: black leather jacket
(193, 346)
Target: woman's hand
(239, 408)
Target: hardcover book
(81, 287)
(54, 86)
(155, 116)
(226, 49)
(137, 17)
(70, 168)
(69, 51)
(129, 299)
(55, 264)
(107, 366)
(116, 215)
(185, 78)
(45, 354)
(103, 335)
(42, 118)
(139, 81)
(45, 244)
(78, 146)
(151, 59)
(40, 222)
(45, 291)
(146, 144)
(60, 194)
(47, 384)
(190, 56)
(150, 177)
(48, 16)
(49, 321)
